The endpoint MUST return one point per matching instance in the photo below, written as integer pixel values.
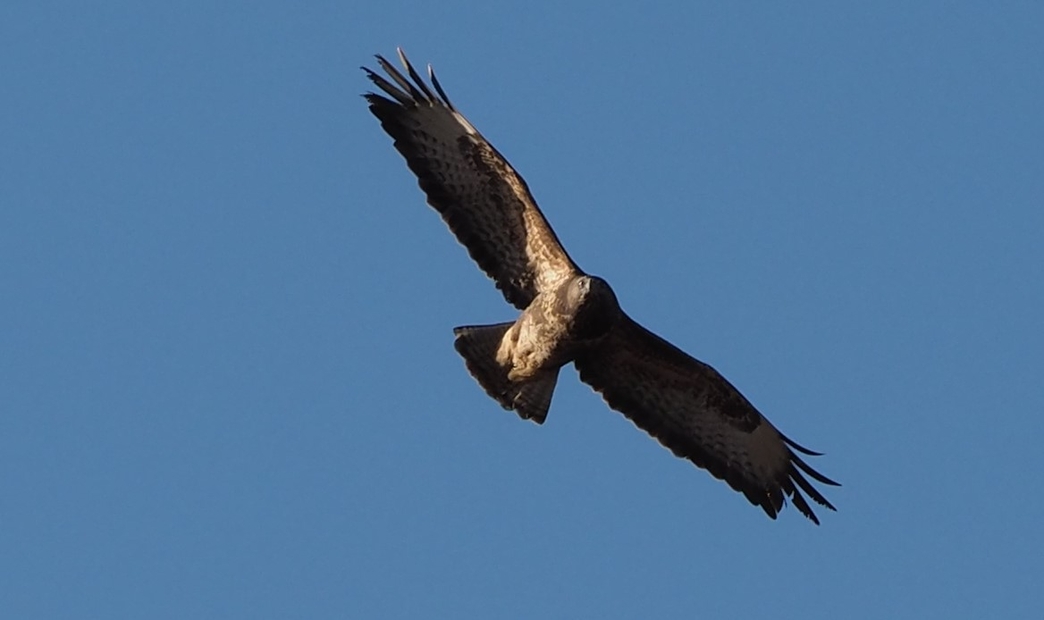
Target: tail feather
(478, 345)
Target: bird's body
(568, 316)
(558, 326)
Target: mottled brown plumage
(463, 177)
(568, 316)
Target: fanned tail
(478, 345)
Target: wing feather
(485, 203)
(698, 415)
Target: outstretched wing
(698, 415)
(485, 203)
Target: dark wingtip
(798, 483)
(769, 509)
(411, 90)
(800, 448)
(799, 502)
(808, 469)
(438, 88)
(414, 75)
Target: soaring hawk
(570, 316)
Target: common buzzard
(570, 316)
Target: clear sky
(227, 381)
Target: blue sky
(227, 381)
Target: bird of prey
(570, 316)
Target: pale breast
(542, 342)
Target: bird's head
(594, 305)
